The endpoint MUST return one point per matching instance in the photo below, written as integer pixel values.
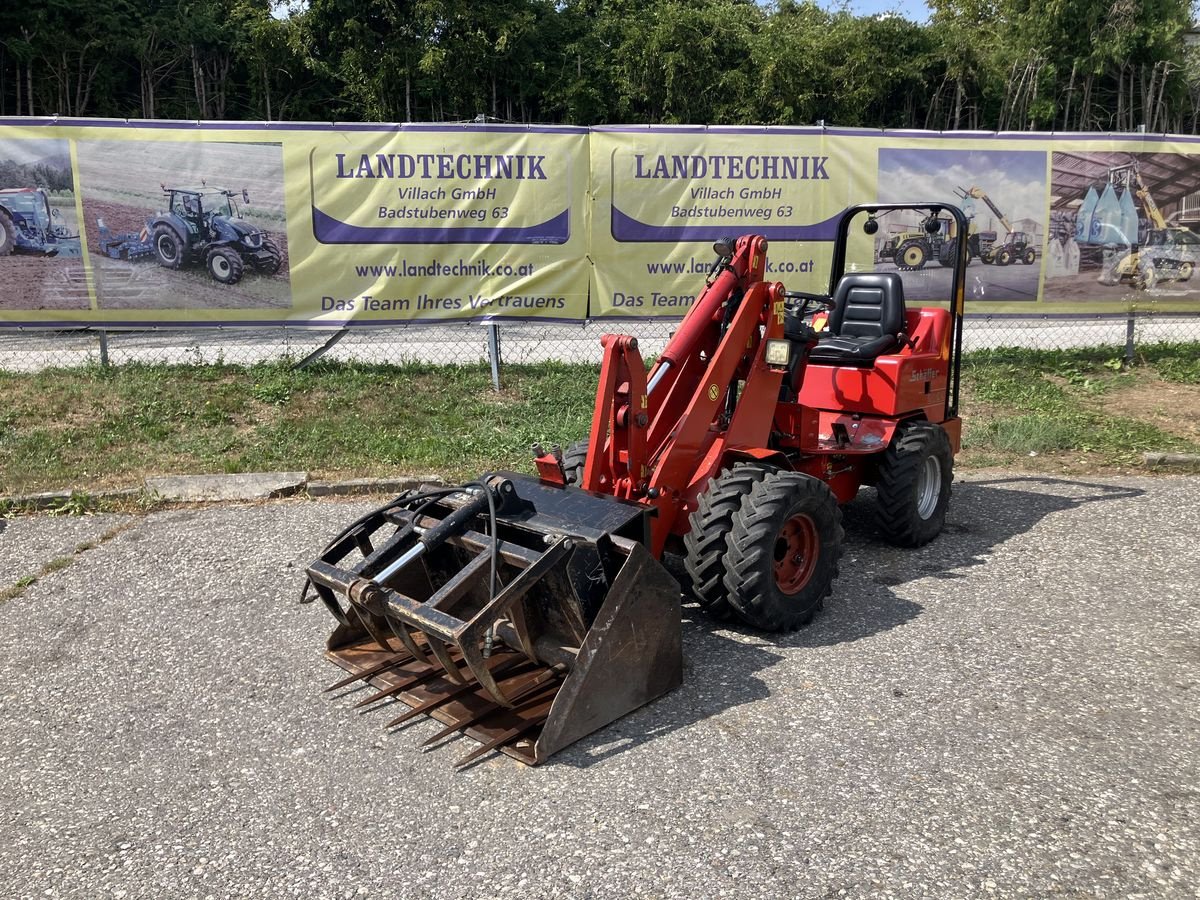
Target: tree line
(1071, 65)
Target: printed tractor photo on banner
(1122, 226)
(41, 265)
(196, 225)
(1002, 193)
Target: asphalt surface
(1010, 711)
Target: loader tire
(913, 487)
(911, 255)
(168, 249)
(1004, 257)
(1029, 257)
(8, 234)
(574, 461)
(706, 542)
(274, 261)
(225, 265)
(783, 551)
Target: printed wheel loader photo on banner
(41, 264)
(1123, 225)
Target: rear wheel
(1186, 270)
(911, 255)
(783, 551)
(1029, 257)
(225, 265)
(1004, 257)
(168, 249)
(914, 484)
(706, 542)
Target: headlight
(778, 353)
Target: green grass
(1039, 402)
(81, 427)
(92, 427)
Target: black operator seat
(867, 319)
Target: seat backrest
(868, 305)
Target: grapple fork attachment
(522, 614)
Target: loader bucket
(580, 624)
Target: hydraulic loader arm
(980, 194)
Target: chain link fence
(509, 343)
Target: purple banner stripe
(628, 229)
(329, 230)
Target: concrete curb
(234, 487)
(1172, 460)
(352, 487)
(57, 499)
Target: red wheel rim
(796, 550)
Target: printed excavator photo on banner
(41, 265)
(185, 224)
(1003, 195)
(1121, 225)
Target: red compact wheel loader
(528, 612)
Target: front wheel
(274, 260)
(574, 461)
(707, 541)
(1030, 257)
(1004, 257)
(914, 484)
(225, 265)
(783, 551)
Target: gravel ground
(1011, 711)
(28, 543)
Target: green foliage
(1066, 64)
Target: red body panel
(662, 447)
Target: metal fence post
(493, 344)
(103, 347)
(1129, 323)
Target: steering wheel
(805, 304)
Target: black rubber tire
(272, 265)
(8, 234)
(168, 249)
(574, 460)
(988, 260)
(946, 253)
(1004, 257)
(903, 511)
(224, 265)
(1186, 270)
(706, 542)
(750, 581)
(1145, 277)
(1029, 257)
(914, 261)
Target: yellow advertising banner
(1058, 224)
(157, 223)
(154, 222)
